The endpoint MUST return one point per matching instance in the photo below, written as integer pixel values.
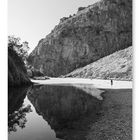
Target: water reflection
(16, 110)
(69, 110)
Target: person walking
(111, 82)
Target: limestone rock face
(92, 33)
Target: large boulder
(17, 74)
(92, 33)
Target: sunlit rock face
(17, 74)
(115, 66)
(92, 33)
(65, 108)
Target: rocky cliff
(17, 74)
(92, 33)
(115, 66)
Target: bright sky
(32, 20)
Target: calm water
(70, 112)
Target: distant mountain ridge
(94, 32)
(115, 66)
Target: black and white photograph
(70, 70)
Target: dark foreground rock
(94, 32)
(17, 74)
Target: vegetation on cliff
(17, 74)
(115, 66)
(94, 32)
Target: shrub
(81, 8)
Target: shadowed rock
(17, 74)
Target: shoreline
(97, 83)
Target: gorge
(94, 32)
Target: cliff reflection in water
(16, 110)
(68, 110)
